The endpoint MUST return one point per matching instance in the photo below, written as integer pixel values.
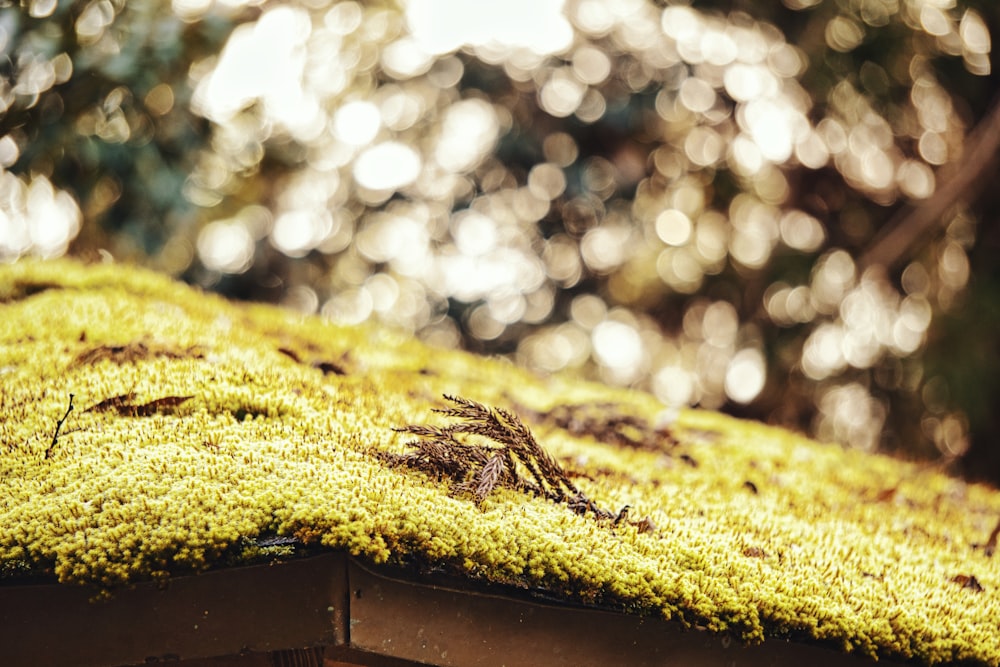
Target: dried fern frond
(490, 476)
(503, 454)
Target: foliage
(769, 208)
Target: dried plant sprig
(503, 454)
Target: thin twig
(55, 434)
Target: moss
(203, 429)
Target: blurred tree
(776, 209)
(96, 102)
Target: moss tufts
(205, 433)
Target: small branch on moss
(55, 433)
(509, 458)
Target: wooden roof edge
(334, 610)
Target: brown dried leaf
(645, 525)
(291, 354)
(160, 405)
(132, 352)
(329, 367)
(122, 404)
(968, 581)
(114, 403)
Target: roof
(205, 433)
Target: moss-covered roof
(200, 429)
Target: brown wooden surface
(331, 611)
(263, 608)
(453, 628)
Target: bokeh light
(387, 166)
(656, 196)
(35, 218)
(226, 246)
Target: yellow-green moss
(757, 531)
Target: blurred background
(786, 211)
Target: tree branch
(963, 178)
